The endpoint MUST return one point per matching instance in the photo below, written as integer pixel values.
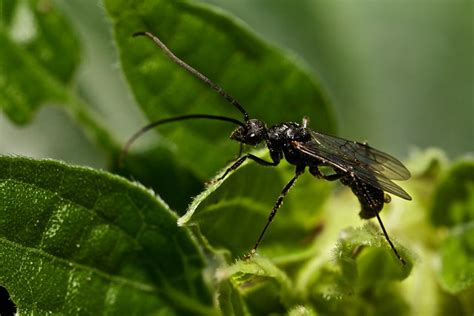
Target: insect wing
(382, 182)
(364, 155)
(370, 165)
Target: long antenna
(148, 127)
(196, 73)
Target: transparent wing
(368, 164)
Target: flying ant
(367, 171)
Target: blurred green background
(400, 74)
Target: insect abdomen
(371, 198)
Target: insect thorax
(281, 136)
(286, 132)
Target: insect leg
(299, 171)
(241, 160)
(389, 241)
(331, 177)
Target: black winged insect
(367, 171)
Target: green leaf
(302, 310)
(453, 202)
(36, 64)
(51, 49)
(40, 284)
(232, 213)
(360, 277)
(37, 60)
(457, 260)
(230, 300)
(271, 85)
(265, 287)
(157, 168)
(19, 98)
(453, 206)
(377, 264)
(366, 260)
(87, 241)
(7, 9)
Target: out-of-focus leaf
(453, 202)
(427, 163)
(38, 57)
(24, 84)
(157, 168)
(75, 240)
(265, 287)
(7, 9)
(232, 213)
(453, 206)
(457, 260)
(230, 300)
(362, 274)
(302, 310)
(271, 85)
(367, 261)
(58, 52)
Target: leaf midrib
(144, 287)
(80, 206)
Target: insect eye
(252, 135)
